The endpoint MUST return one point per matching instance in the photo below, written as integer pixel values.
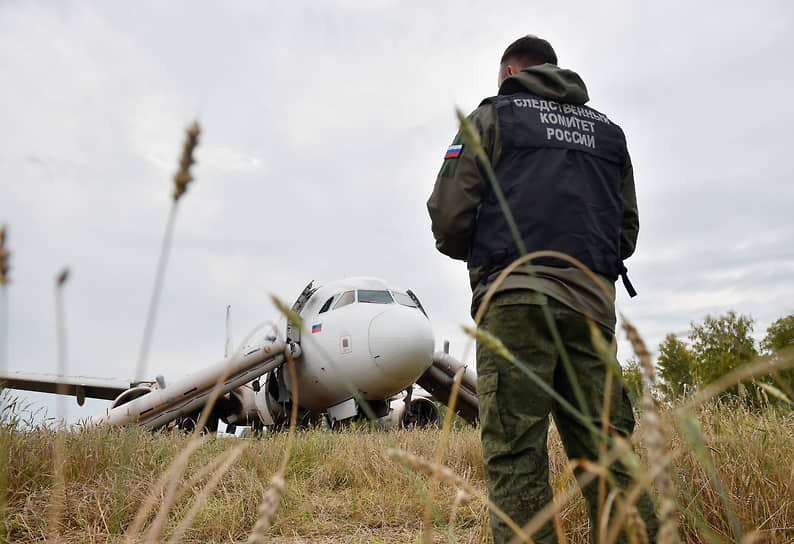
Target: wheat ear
(272, 499)
(668, 524)
(200, 499)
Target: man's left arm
(631, 219)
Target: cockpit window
(404, 299)
(375, 297)
(326, 306)
(348, 297)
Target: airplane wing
(81, 387)
(154, 405)
(438, 381)
(159, 406)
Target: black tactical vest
(560, 171)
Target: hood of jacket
(550, 81)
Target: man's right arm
(631, 219)
(459, 187)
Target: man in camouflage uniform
(566, 175)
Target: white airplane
(363, 348)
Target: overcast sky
(324, 125)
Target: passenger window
(348, 297)
(374, 297)
(404, 299)
(326, 306)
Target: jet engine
(246, 406)
(420, 412)
(411, 412)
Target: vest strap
(624, 276)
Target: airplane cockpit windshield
(374, 297)
(368, 296)
(348, 297)
(405, 299)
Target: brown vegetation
(341, 487)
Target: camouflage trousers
(514, 411)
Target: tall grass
(341, 488)
(724, 473)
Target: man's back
(535, 103)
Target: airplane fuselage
(362, 337)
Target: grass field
(341, 486)
(730, 477)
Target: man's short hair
(529, 51)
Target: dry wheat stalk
(209, 468)
(4, 255)
(267, 510)
(102, 514)
(668, 525)
(56, 506)
(606, 352)
(181, 180)
(272, 498)
(4, 280)
(174, 471)
(637, 532)
(546, 513)
(198, 502)
(642, 482)
(461, 497)
(441, 450)
(562, 538)
(448, 476)
(604, 513)
(186, 160)
(288, 312)
(525, 258)
(486, 299)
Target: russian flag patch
(317, 328)
(454, 151)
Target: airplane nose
(401, 343)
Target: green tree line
(714, 348)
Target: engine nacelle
(245, 406)
(132, 394)
(258, 406)
(421, 412)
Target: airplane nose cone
(401, 343)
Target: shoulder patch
(454, 151)
(451, 157)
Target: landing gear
(188, 423)
(361, 416)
